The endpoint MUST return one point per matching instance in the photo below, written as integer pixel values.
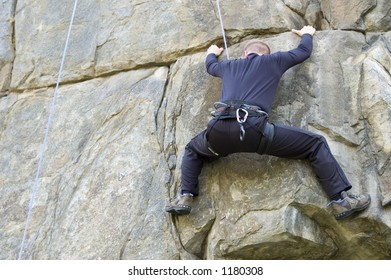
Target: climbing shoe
(348, 204)
(180, 205)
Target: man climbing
(240, 124)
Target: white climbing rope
(35, 187)
(222, 28)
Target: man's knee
(320, 147)
(199, 146)
(323, 141)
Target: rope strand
(35, 188)
(222, 28)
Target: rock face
(134, 91)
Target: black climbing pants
(221, 138)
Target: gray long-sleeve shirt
(255, 79)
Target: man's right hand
(308, 29)
(215, 49)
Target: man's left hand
(215, 50)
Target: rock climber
(240, 124)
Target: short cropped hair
(257, 46)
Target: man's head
(256, 46)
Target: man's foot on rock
(349, 204)
(180, 205)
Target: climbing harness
(237, 109)
(222, 28)
(267, 139)
(35, 187)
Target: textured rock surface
(135, 91)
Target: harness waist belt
(228, 109)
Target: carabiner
(241, 121)
(238, 118)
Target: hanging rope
(222, 28)
(35, 188)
